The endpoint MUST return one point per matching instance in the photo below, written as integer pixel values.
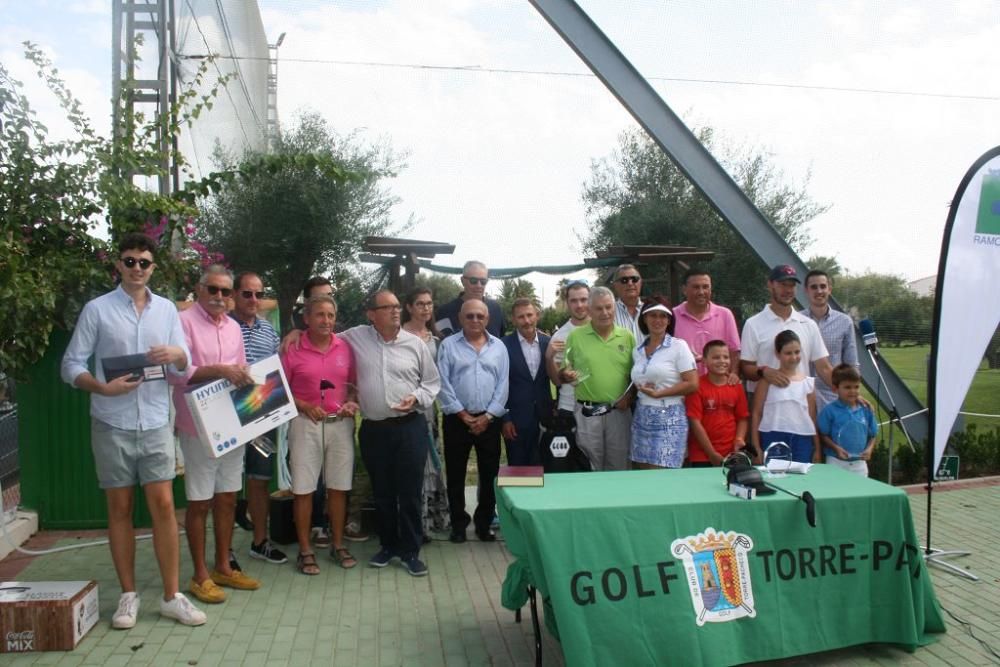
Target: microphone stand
(894, 417)
(932, 557)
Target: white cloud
(497, 160)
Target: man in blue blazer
(529, 401)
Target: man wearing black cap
(758, 358)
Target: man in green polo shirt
(598, 363)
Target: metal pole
(680, 144)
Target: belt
(395, 420)
(333, 418)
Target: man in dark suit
(529, 400)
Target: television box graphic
(228, 417)
(46, 615)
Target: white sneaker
(128, 611)
(181, 610)
(320, 537)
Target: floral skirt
(436, 517)
(659, 435)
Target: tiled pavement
(366, 616)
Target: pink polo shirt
(210, 343)
(717, 324)
(306, 367)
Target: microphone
(868, 335)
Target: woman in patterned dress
(664, 372)
(418, 319)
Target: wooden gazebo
(401, 257)
(677, 258)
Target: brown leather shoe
(207, 591)
(235, 580)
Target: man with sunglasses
(217, 352)
(260, 341)
(130, 421)
(475, 275)
(627, 286)
(475, 369)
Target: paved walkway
(453, 616)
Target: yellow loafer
(207, 591)
(235, 580)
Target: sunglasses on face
(213, 290)
(477, 281)
(247, 294)
(130, 263)
(389, 306)
(625, 280)
(474, 316)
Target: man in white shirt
(577, 298)
(758, 358)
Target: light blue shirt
(851, 428)
(471, 380)
(109, 326)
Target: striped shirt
(260, 341)
(390, 370)
(837, 330)
(625, 320)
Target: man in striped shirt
(627, 285)
(836, 328)
(260, 341)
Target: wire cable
(55, 550)
(675, 79)
(218, 69)
(236, 60)
(968, 628)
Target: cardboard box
(46, 615)
(228, 417)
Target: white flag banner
(967, 305)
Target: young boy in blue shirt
(847, 428)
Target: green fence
(57, 468)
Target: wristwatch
(760, 372)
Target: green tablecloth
(664, 567)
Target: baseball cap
(783, 272)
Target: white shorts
(857, 467)
(206, 475)
(309, 455)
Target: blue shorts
(802, 445)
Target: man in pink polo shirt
(321, 375)
(698, 321)
(216, 345)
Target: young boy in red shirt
(718, 411)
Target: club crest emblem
(718, 575)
